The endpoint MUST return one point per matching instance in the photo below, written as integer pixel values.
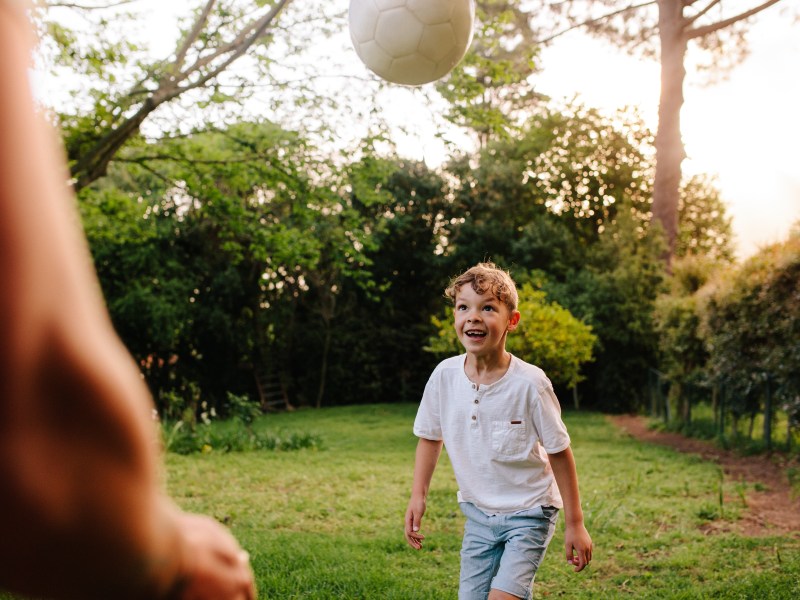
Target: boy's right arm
(428, 452)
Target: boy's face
(482, 322)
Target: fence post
(653, 399)
(688, 400)
(715, 404)
(768, 412)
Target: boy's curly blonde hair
(486, 277)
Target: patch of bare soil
(771, 507)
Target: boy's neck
(487, 369)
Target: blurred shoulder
(17, 5)
(17, 27)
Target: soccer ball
(411, 42)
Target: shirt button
(476, 400)
(473, 386)
(474, 418)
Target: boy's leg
(526, 536)
(480, 555)
(498, 595)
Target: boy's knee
(500, 595)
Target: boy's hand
(416, 508)
(578, 546)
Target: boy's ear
(513, 321)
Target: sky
(745, 130)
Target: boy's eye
(488, 308)
(461, 307)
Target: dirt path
(770, 511)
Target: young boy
(501, 423)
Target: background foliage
(249, 254)
(280, 259)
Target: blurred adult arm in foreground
(82, 510)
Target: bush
(751, 327)
(232, 437)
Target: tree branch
(596, 20)
(192, 36)
(239, 44)
(144, 158)
(150, 169)
(710, 5)
(93, 164)
(85, 7)
(171, 88)
(707, 29)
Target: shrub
(750, 323)
(232, 436)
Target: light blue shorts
(503, 552)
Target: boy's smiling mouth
(475, 333)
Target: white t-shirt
(497, 435)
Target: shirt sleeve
(546, 416)
(428, 423)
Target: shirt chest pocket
(509, 439)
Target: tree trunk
(93, 164)
(669, 145)
(686, 407)
(323, 370)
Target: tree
(682, 353)
(128, 86)
(491, 91)
(344, 238)
(663, 28)
(705, 227)
(565, 205)
(551, 337)
(411, 208)
(201, 245)
(538, 198)
(614, 291)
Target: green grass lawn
(327, 522)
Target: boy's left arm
(577, 542)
